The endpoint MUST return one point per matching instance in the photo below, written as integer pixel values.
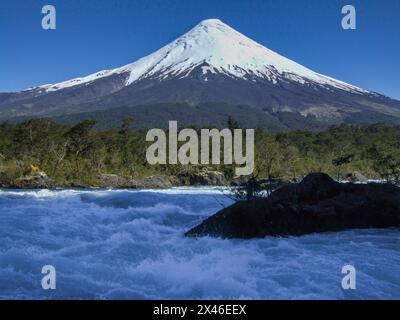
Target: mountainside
(215, 65)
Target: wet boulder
(36, 180)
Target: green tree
(80, 142)
(386, 164)
(251, 189)
(268, 157)
(339, 162)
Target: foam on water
(129, 245)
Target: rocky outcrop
(186, 178)
(37, 180)
(356, 177)
(195, 178)
(152, 182)
(202, 178)
(239, 180)
(316, 204)
(116, 181)
(156, 182)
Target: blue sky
(93, 35)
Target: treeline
(79, 154)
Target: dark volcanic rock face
(317, 204)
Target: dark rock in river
(316, 204)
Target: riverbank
(40, 180)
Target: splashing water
(129, 245)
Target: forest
(79, 153)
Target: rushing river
(130, 245)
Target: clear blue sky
(93, 35)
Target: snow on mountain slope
(74, 82)
(217, 49)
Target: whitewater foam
(129, 245)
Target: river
(129, 244)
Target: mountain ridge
(211, 63)
(217, 41)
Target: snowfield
(218, 49)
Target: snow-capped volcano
(216, 48)
(211, 72)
